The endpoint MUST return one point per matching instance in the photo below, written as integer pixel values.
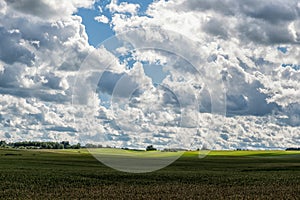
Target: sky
(173, 74)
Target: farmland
(74, 174)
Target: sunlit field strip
(121, 152)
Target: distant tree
(40, 145)
(293, 149)
(66, 144)
(77, 146)
(150, 148)
(2, 143)
(88, 145)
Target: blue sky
(98, 32)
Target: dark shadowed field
(75, 174)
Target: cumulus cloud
(42, 44)
(229, 74)
(48, 9)
(102, 18)
(123, 7)
(236, 42)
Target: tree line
(57, 145)
(293, 149)
(39, 145)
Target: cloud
(123, 7)
(38, 57)
(48, 9)
(251, 21)
(34, 52)
(102, 19)
(12, 50)
(226, 84)
(235, 42)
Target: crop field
(76, 174)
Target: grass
(133, 153)
(76, 174)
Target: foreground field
(75, 174)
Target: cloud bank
(230, 74)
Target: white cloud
(48, 9)
(201, 45)
(123, 7)
(102, 19)
(38, 58)
(244, 53)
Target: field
(76, 174)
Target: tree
(66, 144)
(77, 146)
(150, 148)
(2, 143)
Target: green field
(76, 174)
